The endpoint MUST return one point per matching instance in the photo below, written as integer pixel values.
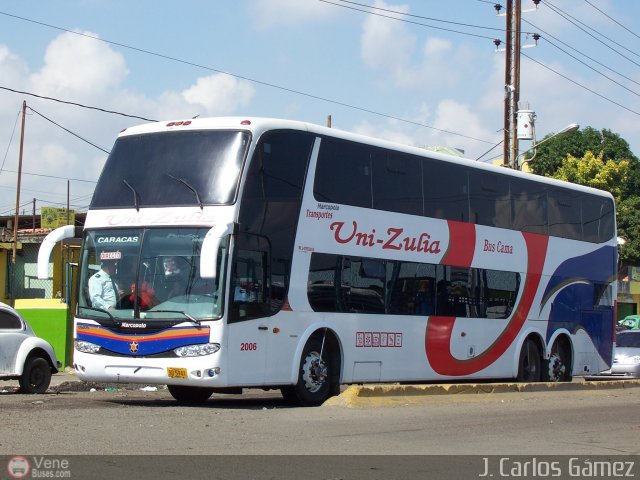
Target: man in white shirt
(103, 290)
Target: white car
(23, 355)
(626, 354)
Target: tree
(612, 176)
(552, 153)
(594, 171)
(629, 229)
(600, 159)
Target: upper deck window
(172, 169)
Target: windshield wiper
(115, 321)
(135, 195)
(189, 317)
(186, 184)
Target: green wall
(49, 321)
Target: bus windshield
(153, 274)
(172, 169)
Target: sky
(417, 72)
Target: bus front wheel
(530, 363)
(186, 394)
(314, 376)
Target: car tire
(36, 376)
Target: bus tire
(314, 376)
(36, 376)
(190, 395)
(530, 362)
(559, 364)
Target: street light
(572, 127)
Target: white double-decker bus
(303, 258)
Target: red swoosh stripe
(462, 243)
(438, 333)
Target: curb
(361, 395)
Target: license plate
(176, 372)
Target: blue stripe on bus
(575, 305)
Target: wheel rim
(557, 368)
(36, 377)
(314, 372)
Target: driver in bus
(103, 290)
(175, 281)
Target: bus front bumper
(198, 371)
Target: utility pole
(506, 144)
(511, 82)
(17, 215)
(517, 13)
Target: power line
(53, 176)
(10, 140)
(612, 19)
(579, 84)
(69, 131)
(13, 209)
(547, 34)
(75, 104)
(403, 20)
(396, 12)
(569, 18)
(592, 68)
(559, 12)
(241, 77)
(495, 146)
(74, 202)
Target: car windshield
(148, 273)
(628, 339)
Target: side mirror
(210, 247)
(44, 254)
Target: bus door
(248, 312)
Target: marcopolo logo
(18, 467)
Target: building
(44, 303)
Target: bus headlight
(197, 350)
(86, 347)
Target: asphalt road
(135, 422)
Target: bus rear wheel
(186, 394)
(314, 376)
(559, 363)
(529, 365)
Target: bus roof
(258, 125)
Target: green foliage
(629, 229)
(594, 172)
(552, 153)
(599, 159)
